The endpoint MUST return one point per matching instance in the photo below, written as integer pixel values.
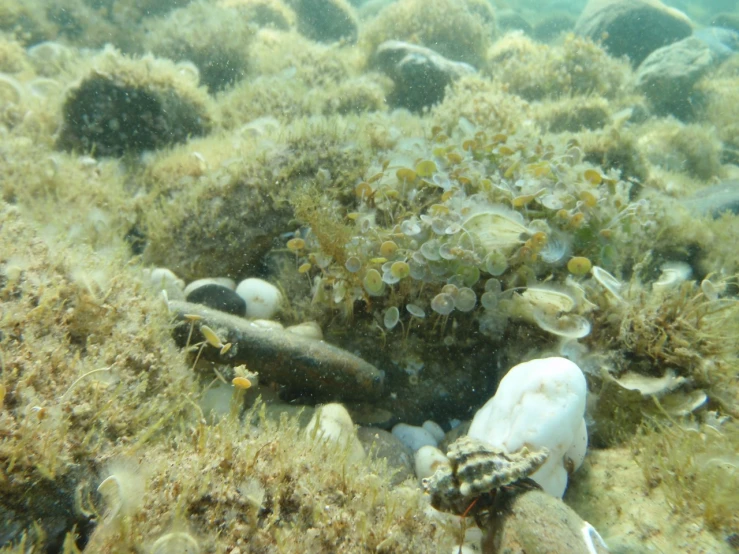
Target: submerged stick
(303, 365)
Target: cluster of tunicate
(467, 221)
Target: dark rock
(326, 20)
(105, 116)
(218, 297)
(667, 76)
(304, 367)
(420, 75)
(633, 28)
(534, 522)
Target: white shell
(495, 230)
(608, 281)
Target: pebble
(218, 297)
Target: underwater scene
(369, 276)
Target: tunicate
(392, 315)
(446, 251)
(465, 300)
(401, 270)
(496, 263)
(442, 304)
(439, 226)
(415, 311)
(353, 264)
(493, 285)
(410, 228)
(373, 282)
(470, 274)
(430, 250)
(489, 300)
(419, 271)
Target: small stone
(218, 297)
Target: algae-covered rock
(668, 74)
(326, 20)
(420, 75)
(88, 373)
(536, 523)
(213, 37)
(459, 31)
(632, 28)
(219, 204)
(130, 105)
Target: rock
(420, 75)
(326, 20)
(536, 523)
(633, 28)
(383, 444)
(300, 365)
(668, 74)
(511, 20)
(218, 297)
(552, 26)
(125, 105)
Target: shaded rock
(214, 38)
(300, 365)
(716, 200)
(534, 522)
(633, 28)
(722, 42)
(326, 20)
(126, 105)
(668, 74)
(420, 75)
(382, 444)
(552, 26)
(510, 20)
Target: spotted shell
(476, 469)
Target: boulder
(633, 28)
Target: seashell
(549, 300)
(673, 273)
(608, 281)
(570, 326)
(496, 230)
(650, 385)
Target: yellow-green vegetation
(273, 14)
(696, 466)
(459, 30)
(692, 328)
(536, 71)
(89, 371)
(721, 104)
(213, 37)
(216, 205)
(268, 486)
(483, 103)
